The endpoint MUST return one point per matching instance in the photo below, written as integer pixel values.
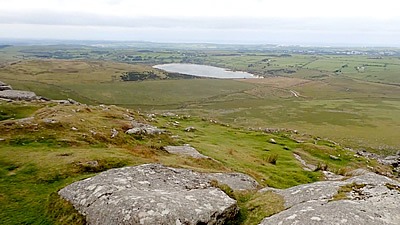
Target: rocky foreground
(155, 194)
(364, 199)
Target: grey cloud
(234, 23)
(61, 25)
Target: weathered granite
(236, 181)
(18, 95)
(373, 203)
(141, 128)
(150, 194)
(185, 150)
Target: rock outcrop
(236, 181)
(185, 150)
(19, 95)
(155, 194)
(141, 128)
(4, 86)
(7, 92)
(368, 199)
(391, 160)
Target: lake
(203, 71)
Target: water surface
(203, 71)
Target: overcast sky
(308, 22)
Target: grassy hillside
(351, 107)
(52, 145)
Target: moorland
(319, 103)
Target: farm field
(352, 99)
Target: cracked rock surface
(374, 202)
(185, 150)
(150, 194)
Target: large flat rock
(150, 194)
(18, 95)
(185, 150)
(236, 181)
(374, 202)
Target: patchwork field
(352, 99)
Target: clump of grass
(99, 165)
(343, 171)
(16, 111)
(271, 158)
(62, 212)
(253, 206)
(393, 187)
(321, 167)
(345, 190)
(225, 188)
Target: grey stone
(168, 114)
(150, 194)
(332, 176)
(141, 128)
(374, 203)
(190, 129)
(307, 192)
(18, 95)
(73, 102)
(334, 157)
(4, 86)
(185, 150)
(272, 141)
(49, 120)
(62, 102)
(236, 181)
(114, 133)
(306, 166)
(6, 100)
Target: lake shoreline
(204, 71)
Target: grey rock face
(150, 194)
(236, 181)
(18, 95)
(392, 160)
(190, 129)
(141, 128)
(373, 203)
(4, 86)
(185, 150)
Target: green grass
(253, 206)
(16, 111)
(345, 190)
(38, 158)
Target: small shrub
(345, 190)
(343, 171)
(321, 167)
(100, 165)
(392, 187)
(271, 158)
